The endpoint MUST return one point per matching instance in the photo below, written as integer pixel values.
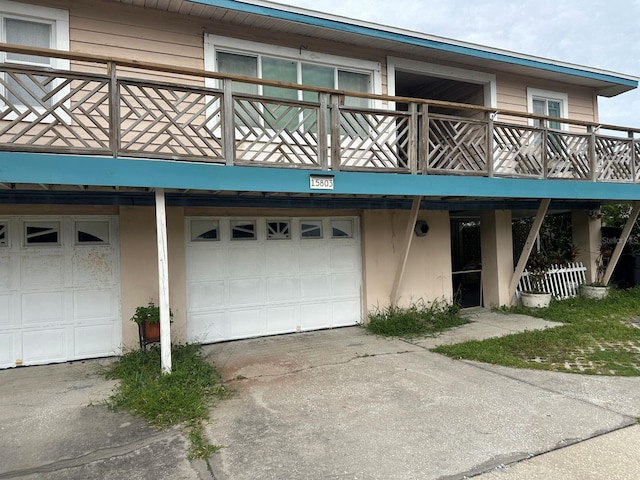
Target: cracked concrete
(344, 404)
(53, 426)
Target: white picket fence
(562, 281)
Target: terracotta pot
(150, 331)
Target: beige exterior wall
(139, 268)
(428, 271)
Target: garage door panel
(314, 258)
(5, 310)
(42, 270)
(246, 291)
(314, 316)
(344, 312)
(92, 266)
(247, 323)
(314, 286)
(246, 260)
(343, 257)
(5, 272)
(282, 289)
(96, 305)
(204, 295)
(42, 307)
(44, 345)
(282, 319)
(344, 285)
(94, 341)
(281, 259)
(207, 327)
(203, 263)
(7, 352)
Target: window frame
(59, 20)
(546, 95)
(214, 43)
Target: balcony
(122, 108)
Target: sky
(602, 34)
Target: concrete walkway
(337, 404)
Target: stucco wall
(428, 271)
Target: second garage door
(249, 277)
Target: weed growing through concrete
(183, 396)
(419, 319)
(599, 337)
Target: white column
(163, 282)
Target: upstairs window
(552, 104)
(32, 26)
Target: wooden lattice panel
(517, 151)
(285, 134)
(568, 155)
(614, 157)
(54, 113)
(374, 140)
(457, 145)
(167, 121)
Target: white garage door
(250, 277)
(59, 289)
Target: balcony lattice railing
(159, 112)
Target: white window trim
(488, 80)
(59, 19)
(561, 97)
(246, 47)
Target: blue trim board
(412, 40)
(123, 172)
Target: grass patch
(183, 396)
(419, 319)
(599, 337)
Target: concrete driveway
(335, 404)
(346, 405)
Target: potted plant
(598, 289)
(537, 296)
(148, 319)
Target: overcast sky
(602, 34)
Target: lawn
(599, 337)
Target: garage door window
(42, 233)
(92, 232)
(205, 231)
(278, 230)
(341, 228)
(243, 230)
(311, 229)
(3, 234)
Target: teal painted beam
(126, 172)
(406, 38)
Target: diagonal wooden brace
(415, 208)
(624, 236)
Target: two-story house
(265, 169)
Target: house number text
(321, 182)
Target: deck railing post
(323, 154)
(424, 140)
(114, 109)
(545, 149)
(489, 144)
(593, 161)
(335, 132)
(413, 139)
(228, 120)
(632, 155)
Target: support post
(114, 109)
(413, 139)
(624, 236)
(323, 159)
(163, 282)
(413, 216)
(528, 246)
(228, 119)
